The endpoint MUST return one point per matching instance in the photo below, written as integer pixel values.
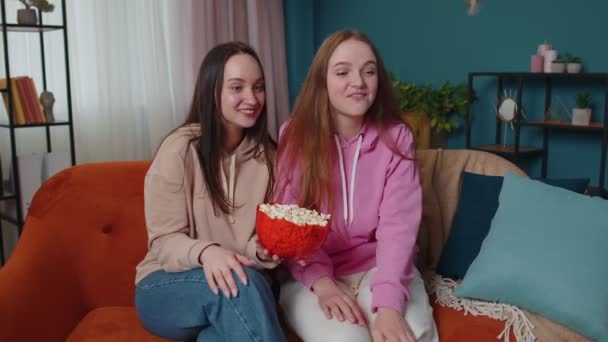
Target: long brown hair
(206, 111)
(307, 143)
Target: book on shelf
(26, 106)
(35, 101)
(17, 107)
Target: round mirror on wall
(507, 109)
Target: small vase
(581, 116)
(536, 63)
(574, 68)
(47, 99)
(27, 16)
(421, 128)
(558, 68)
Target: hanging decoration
(472, 7)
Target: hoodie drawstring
(229, 185)
(348, 206)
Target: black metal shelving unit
(41, 29)
(517, 152)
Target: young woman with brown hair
(201, 276)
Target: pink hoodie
(376, 216)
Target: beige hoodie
(179, 213)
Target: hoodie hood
(229, 163)
(242, 152)
(369, 138)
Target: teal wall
(435, 41)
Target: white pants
(306, 318)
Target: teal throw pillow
(477, 205)
(546, 252)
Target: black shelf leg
(47, 129)
(67, 83)
(469, 110)
(604, 142)
(520, 88)
(546, 131)
(499, 89)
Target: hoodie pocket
(335, 241)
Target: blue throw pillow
(578, 185)
(546, 252)
(477, 205)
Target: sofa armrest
(40, 298)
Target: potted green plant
(574, 64)
(413, 101)
(581, 115)
(28, 15)
(558, 65)
(435, 110)
(450, 99)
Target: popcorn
(289, 231)
(294, 214)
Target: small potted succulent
(28, 15)
(574, 64)
(558, 65)
(581, 115)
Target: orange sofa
(71, 274)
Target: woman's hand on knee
(337, 301)
(390, 326)
(218, 264)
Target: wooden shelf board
(57, 123)
(540, 75)
(7, 196)
(509, 150)
(561, 124)
(30, 28)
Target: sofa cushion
(117, 323)
(455, 326)
(546, 252)
(440, 172)
(476, 207)
(430, 235)
(578, 185)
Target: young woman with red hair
(345, 152)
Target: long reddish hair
(307, 143)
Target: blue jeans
(181, 306)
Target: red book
(22, 87)
(37, 107)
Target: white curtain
(129, 82)
(134, 64)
